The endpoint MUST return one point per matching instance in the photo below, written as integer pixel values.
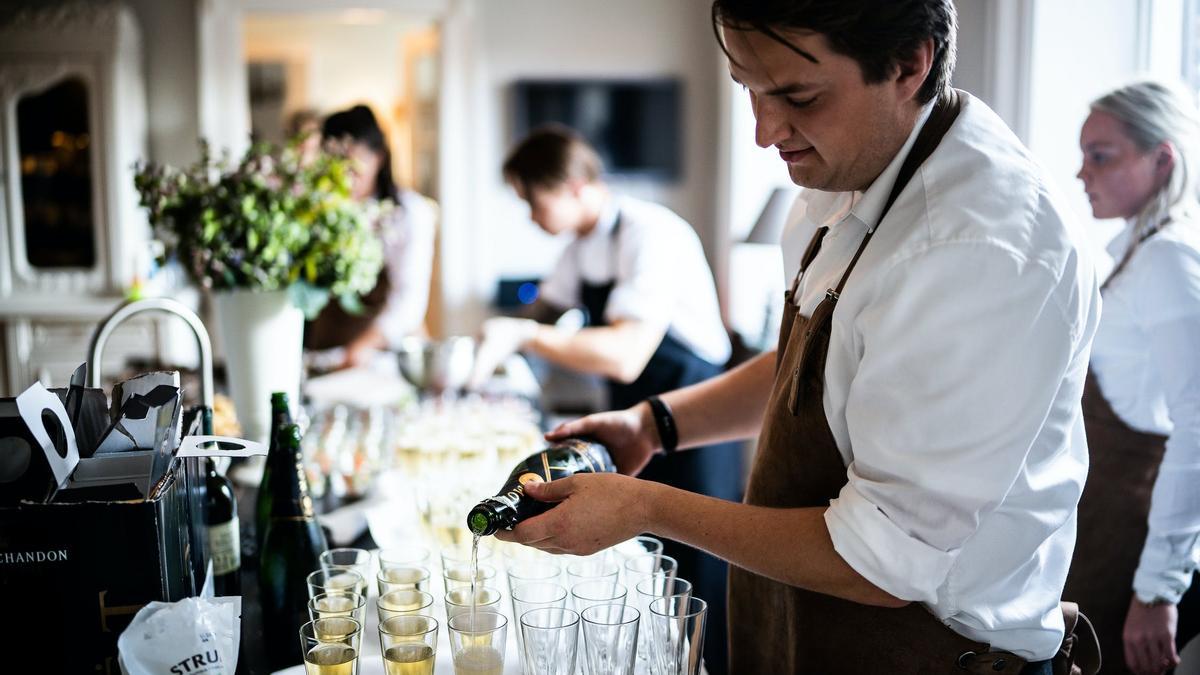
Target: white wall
(618, 38)
(1080, 50)
(350, 57)
(169, 47)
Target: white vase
(262, 335)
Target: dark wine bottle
(512, 505)
(291, 550)
(224, 537)
(280, 415)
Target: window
(56, 176)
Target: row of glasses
(610, 638)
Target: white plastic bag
(195, 636)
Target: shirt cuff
(1166, 567)
(886, 556)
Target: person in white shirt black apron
(1139, 519)
(654, 324)
(911, 507)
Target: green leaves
(271, 221)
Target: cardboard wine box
(73, 573)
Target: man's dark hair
(877, 34)
(550, 156)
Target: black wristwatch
(668, 433)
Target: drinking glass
(640, 545)
(460, 576)
(610, 639)
(408, 644)
(406, 555)
(477, 642)
(677, 634)
(527, 572)
(589, 569)
(459, 601)
(549, 637)
(325, 580)
(648, 590)
(537, 595)
(642, 566)
(356, 558)
(459, 555)
(331, 646)
(333, 604)
(402, 577)
(403, 602)
(596, 592)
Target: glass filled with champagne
(459, 601)
(330, 646)
(460, 577)
(403, 602)
(408, 644)
(477, 641)
(333, 604)
(403, 577)
(334, 580)
(355, 559)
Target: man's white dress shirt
(956, 366)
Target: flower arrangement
(275, 220)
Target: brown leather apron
(1113, 514)
(335, 327)
(775, 628)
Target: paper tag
(219, 446)
(32, 403)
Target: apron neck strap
(945, 111)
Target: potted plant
(274, 237)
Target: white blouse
(953, 381)
(408, 233)
(1147, 360)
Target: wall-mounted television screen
(635, 125)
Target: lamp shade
(769, 226)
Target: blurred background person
(395, 308)
(1139, 516)
(304, 127)
(654, 325)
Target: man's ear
(912, 70)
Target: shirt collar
(607, 220)
(868, 206)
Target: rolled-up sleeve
(963, 349)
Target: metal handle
(129, 309)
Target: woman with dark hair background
(395, 308)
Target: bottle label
(226, 547)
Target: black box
(74, 572)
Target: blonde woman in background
(1140, 512)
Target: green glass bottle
(512, 505)
(281, 415)
(291, 550)
(224, 539)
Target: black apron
(714, 470)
